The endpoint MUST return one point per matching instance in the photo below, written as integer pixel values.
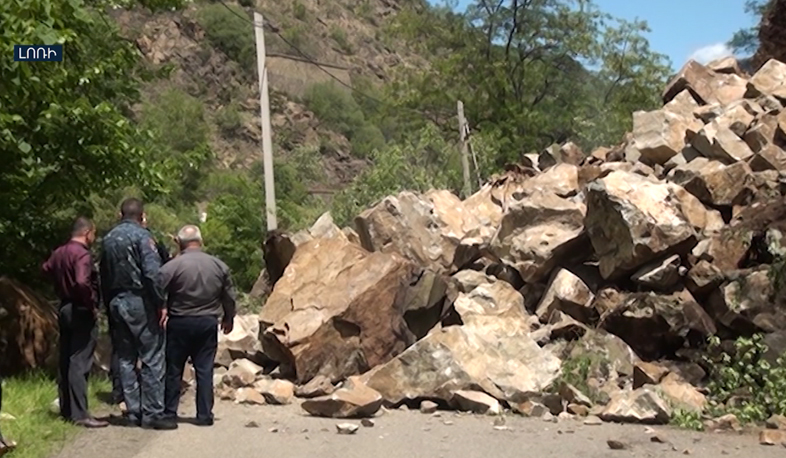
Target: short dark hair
(132, 208)
(81, 226)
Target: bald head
(189, 236)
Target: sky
(682, 29)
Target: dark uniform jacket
(130, 264)
(198, 284)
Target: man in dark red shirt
(70, 267)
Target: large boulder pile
(622, 262)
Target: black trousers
(77, 345)
(195, 337)
(114, 364)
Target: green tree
(746, 40)
(64, 132)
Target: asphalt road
(286, 431)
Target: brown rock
(572, 395)
(465, 281)
(497, 299)
(660, 275)
(242, 343)
(423, 229)
(242, 373)
(770, 79)
(316, 387)
(703, 278)
(772, 437)
(617, 355)
(776, 422)
(656, 325)
(562, 180)
(578, 409)
(706, 86)
(645, 373)
(762, 132)
(538, 232)
(316, 328)
(632, 220)
(714, 183)
(727, 422)
(682, 394)
(719, 142)
(643, 405)
(569, 294)
(476, 402)
(493, 353)
(353, 401)
(659, 135)
(247, 395)
(278, 392)
(726, 65)
(530, 409)
(744, 304)
(428, 407)
(770, 158)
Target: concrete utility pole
(464, 149)
(267, 142)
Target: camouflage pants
(139, 337)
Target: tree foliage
(64, 132)
(746, 41)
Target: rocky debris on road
(570, 286)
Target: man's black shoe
(203, 422)
(160, 425)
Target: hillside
(211, 51)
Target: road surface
(286, 431)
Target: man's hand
(227, 326)
(162, 318)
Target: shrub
(367, 139)
(340, 37)
(299, 11)
(230, 33)
(229, 120)
(742, 382)
(335, 107)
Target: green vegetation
(687, 419)
(747, 40)
(226, 30)
(340, 37)
(743, 383)
(577, 370)
(37, 430)
(299, 11)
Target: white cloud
(709, 53)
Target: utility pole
(464, 149)
(267, 142)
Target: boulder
(562, 180)
(661, 275)
(714, 183)
(661, 134)
(726, 65)
(703, 278)
(643, 405)
(316, 387)
(465, 281)
(337, 311)
(655, 325)
(242, 343)
(632, 220)
(537, 232)
(569, 294)
(762, 132)
(241, 373)
(645, 373)
(705, 85)
(355, 400)
(770, 79)
(280, 392)
(770, 158)
(497, 299)
(28, 329)
(476, 402)
(681, 394)
(744, 304)
(425, 229)
(599, 345)
(717, 140)
(248, 396)
(491, 353)
(425, 301)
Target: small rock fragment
(347, 428)
(252, 424)
(367, 423)
(774, 422)
(616, 445)
(593, 420)
(428, 407)
(772, 437)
